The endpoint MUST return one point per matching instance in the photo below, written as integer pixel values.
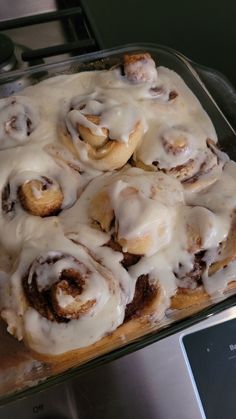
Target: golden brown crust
(40, 197)
(110, 154)
(133, 58)
(185, 298)
(141, 165)
(100, 210)
(134, 67)
(89, 137)
(194, 240)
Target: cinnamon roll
(195, 163)
(59, 297)
(38, 195)
(205, 231)
(137, 210)
(190, 290)
(101, 131)
(140, 68)
(221, 262)
(44, 189)
(33, 190)
(93, 260)
(51, 301)
(19, 117)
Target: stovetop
(41, 32)
(50, 30)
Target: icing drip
(163, 225)
(19, 117)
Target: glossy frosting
(150, 205)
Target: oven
(175, 377)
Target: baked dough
(116, 205)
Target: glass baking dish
(20, 374)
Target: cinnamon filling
(7, 204)
(128, 258)
(204, 167)
(12, 125)
(29, 126)
(192, 279)
(45, 301)
(181, 170)
(176, 146)
(173, 94)
(144, 294)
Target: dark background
(204, 31)
(214, 368)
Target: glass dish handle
(220, 88)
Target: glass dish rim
(151, 336)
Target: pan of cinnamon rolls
(118, 206)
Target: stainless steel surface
(35, 36)
(57, 403)
(153, 383)
(56, 33)
(18, 8)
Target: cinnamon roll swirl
(59, 297)
(38, 195)
(19, 117)
(101, 131)
(32, 192)
(46, 188)
(195, 163)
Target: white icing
(48, 336)
(221, 196)
(212, 228)
(182, 117)
(143, 70)
(217, 283)
(19, 116)
(144, 203)
(119, 119)
(138, 216)
(27, 164)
